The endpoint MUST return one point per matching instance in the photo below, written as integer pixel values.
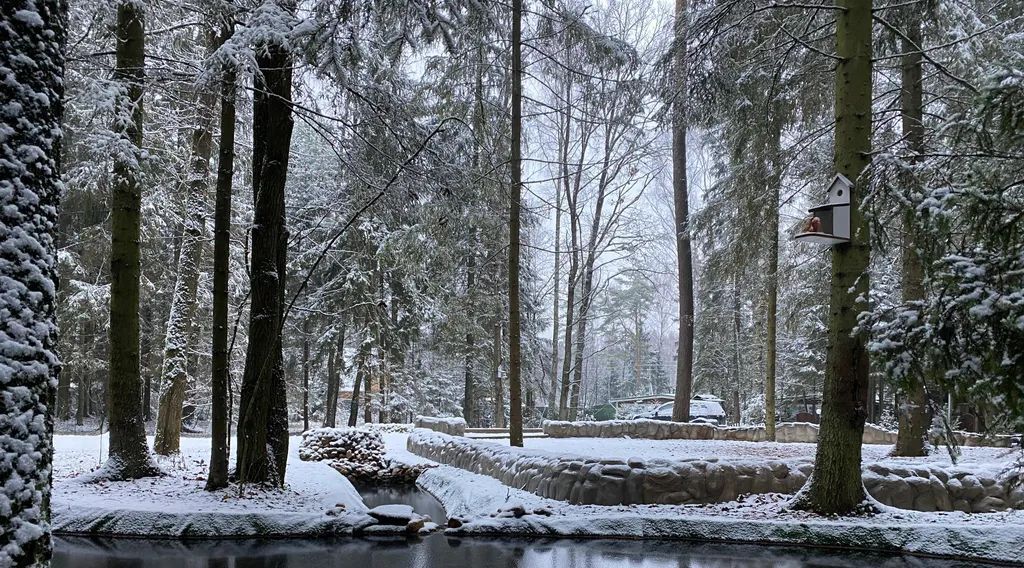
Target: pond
(442, 552)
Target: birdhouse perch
(829, 223)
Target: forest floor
(315, 498)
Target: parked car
(701, 412)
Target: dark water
(422, 502)
(442, 552)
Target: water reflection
(438, 551)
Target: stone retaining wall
(595, 481)
(450, 426)
(784, 432)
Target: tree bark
(556, 282)
(129, 455)
(684, 260)
(32, 91)
(499, 388)
(914, 417)
(335, 368)
(836, 487)
(183, 303)
(515, 358)
(774, 179)
(305, 375)
(353, 414)
(263, 419)
(220, 363)
(469, 390)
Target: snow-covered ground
(625, 448)
(315, 500)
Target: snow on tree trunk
(129, 454)
(836, 486)
(32, 90)
(183, 304)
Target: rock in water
(393, 514)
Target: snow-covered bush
(386, 428)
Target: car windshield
(665, 408)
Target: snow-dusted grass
(315, 499)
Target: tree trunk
(775, 182)
(129, 455)
(32, 59)
(262, 444)
(684, 261)
(353, 414)
(367, 394)
(305, 375)
(515, 358)
(499, 388)
(469, 390)
(183, 304)
(220, 363)
(914, 418)
(552, 395)
(836, 488)
(145, 342)
(335, 368)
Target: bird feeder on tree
(829, 223)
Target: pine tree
(836, 486)
(129, 453)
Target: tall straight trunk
(263, 419)
(220, 379)
(737, 355)
(180, 321)
(836, 487)
(515, 357)
(555, 288)
(680, 192)
(774, 179)
(469, 388)
(32, 91)
(914, 418)
(305, 375)
(335, 368)
(361, 357)
(499, 388)
(129, 455)
(146, 344)
(367, 395)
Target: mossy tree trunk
(515, 357)
(129, 455)
(836, 486)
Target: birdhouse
(829, 223)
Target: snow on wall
(450, 426)
(599, 481)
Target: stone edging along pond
(594, 481)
